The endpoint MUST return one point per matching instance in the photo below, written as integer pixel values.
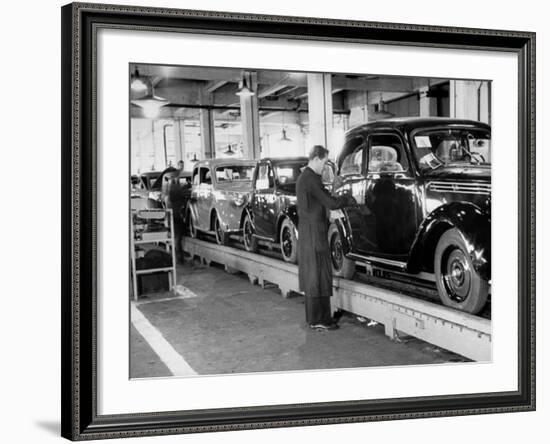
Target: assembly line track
(461, 333)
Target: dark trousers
(318, 310)
(179, 231)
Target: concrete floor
(223, 324)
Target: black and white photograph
(272, 222)
(295, 221)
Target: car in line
(141, 191)
(422, 204)
(219, 194)
(271, 215)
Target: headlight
(155, 195)
(239, 200)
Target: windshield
(287, 173)
(232, 173)
(149, 179)
(452, 147)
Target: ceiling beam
(270, 90)
(214, 85)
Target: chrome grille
(460, 187)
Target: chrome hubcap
(337, 252)
(287, 242)
(247, 233)
(218, 228)
(457, 276)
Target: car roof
(411, 123)
(223, 161)
(285, 159)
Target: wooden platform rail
(461, 333)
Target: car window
(288, 172)
(205, 176)
(387, 154)
(264, 181)
(452, 146)
(195, 179)
(232, 173)
(353, 163)
(327, 175)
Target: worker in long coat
(314, 262)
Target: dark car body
(272, 213)
(415, 180)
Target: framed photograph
(275, 221)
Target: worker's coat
(314, 264)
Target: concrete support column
(320, 109)
(470, 99)
(206, 118)
(250, 118)
(358, 104)
(179, 139)
(207, 134)
(428, 105)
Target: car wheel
(221, 236)
(341, 265)
(249, 241)
(191, 224)
(458, 283)
(288, 241)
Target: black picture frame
(80, 22)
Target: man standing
(314, 263)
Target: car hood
(288, 188)
(460, 172)
(238, 186)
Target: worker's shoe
(324, 327)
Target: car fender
(192, 210)
(473, 224)
(247, 210)
(291, 213)
(345, 234)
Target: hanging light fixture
(244, 88)
(194, 159)
(151, 104)
(284, 137)
(139, 84)
(229, 151)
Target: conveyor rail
(461, 333)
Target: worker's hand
(349, 201)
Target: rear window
(288, 173)
(231, 173)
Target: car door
(204, 198)
(391, 199)
(351, 180)
(263, 201)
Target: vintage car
(141, 191)
(271, 214)
(219, 194)
(422, 190)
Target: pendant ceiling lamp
(284, 137)
(139, 84)
(150, 103)
(229, 151)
